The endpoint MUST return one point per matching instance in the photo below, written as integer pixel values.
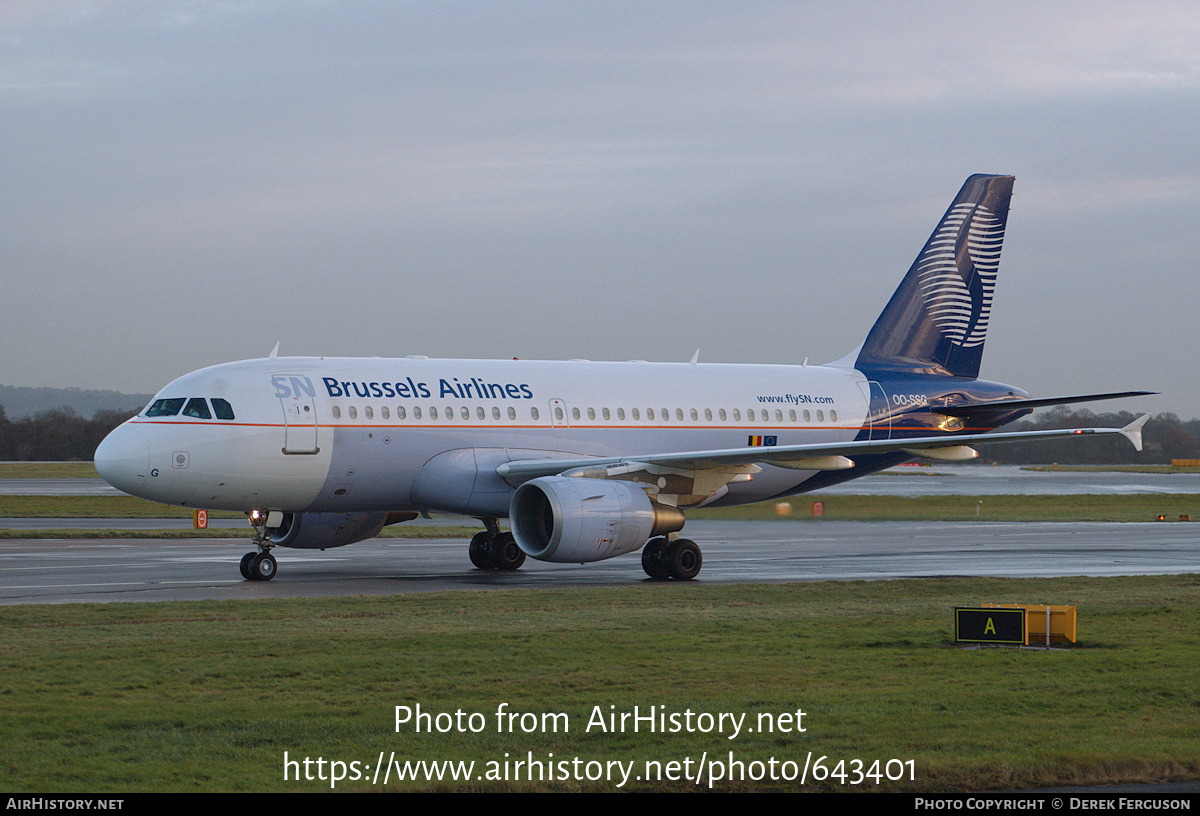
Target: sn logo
(292, 386)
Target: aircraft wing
(815, 456)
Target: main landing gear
(494, 550)
(259, 565)
(663, 559)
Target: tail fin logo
(937, 319)
(957, 273)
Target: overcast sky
(186, 183)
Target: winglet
(275, 351)
(695, 357)
(1133, 431)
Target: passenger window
(737, 415)
(820, 416)
(370, 412)
(400, 412)
(708, 414)
(792, 415)
(778, 415)
(604, 413)
(353, 412)
(807, 416)
(433, 413)
(449, 412)
(636, 415)
(722, 413)
(417, 412)
(465, 412)
(222, 408)
(337, 412)
(833, 416)
(558, 414)
(621, 414)
(495, 412)
(479, 413)
(512, 413)
(165, 407)
(574, 413)
(533, 412)
(650, 413)
(385, 413)
(591, 413)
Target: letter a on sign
(989, 625)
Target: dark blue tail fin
(937, 320)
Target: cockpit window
(165, 407)
(222, 408)
(197, 407)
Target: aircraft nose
(123, 459)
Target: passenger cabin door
(297, 398)
(879, 414)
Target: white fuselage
(334, 435)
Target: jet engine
(320, 531)
(568, 519)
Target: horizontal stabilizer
(1017, 405)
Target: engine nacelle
(320, 531)
(575, 520)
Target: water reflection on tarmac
(936, 480)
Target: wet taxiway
(52, 571)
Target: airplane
(587, 460)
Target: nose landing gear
(259, 565)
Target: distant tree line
(56, 435)
(62, 435)
(1164, 437)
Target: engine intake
(573, 520)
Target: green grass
(95, 507)
(209, 696)
(48, 470)
(1134, 507)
